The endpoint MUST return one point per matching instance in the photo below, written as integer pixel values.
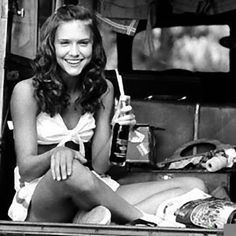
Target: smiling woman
(58, 114)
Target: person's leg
(147, 196)
(55, 201)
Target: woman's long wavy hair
(50, 90)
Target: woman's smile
(73, 62)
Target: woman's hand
(62, 160)
(124, 116)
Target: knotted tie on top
(52, 130)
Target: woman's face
(73, 46)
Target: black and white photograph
(118, 117)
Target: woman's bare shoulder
(23, 92)
(24, 88)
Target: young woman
(67, 105)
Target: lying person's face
(73, 46)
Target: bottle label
(121, 147)
(119, 151)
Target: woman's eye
(84, 43)
(64, 43)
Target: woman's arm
(24, 111)
(102, 138)
(102, 135)
(31, 164)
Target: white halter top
(52, 130)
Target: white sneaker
(98, 215)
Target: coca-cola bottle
(120, 138)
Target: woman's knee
(81, 179)
(194, 182)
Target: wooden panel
(175, 118)
(218, 122)
(178, 120)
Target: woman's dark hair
(50, 90)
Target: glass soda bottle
(120, 138)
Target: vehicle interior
(177, 59)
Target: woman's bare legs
(147, 196)
(58, 201)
